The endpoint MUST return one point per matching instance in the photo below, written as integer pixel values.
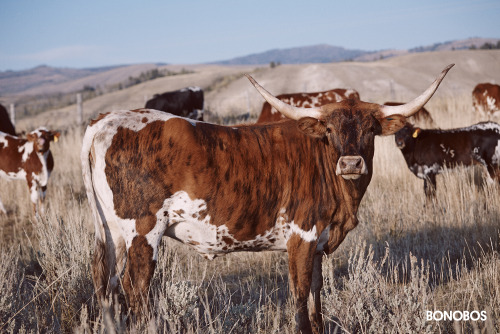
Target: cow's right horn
(286, 109)
(412, 107)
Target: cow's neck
(331, 190)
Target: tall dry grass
(405, 257)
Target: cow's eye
(329, 129)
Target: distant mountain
(322, 53)
(463, 44)
(325, 53)
(15, 81)
(47, 80)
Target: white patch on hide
(424, 170)
(26, 150)
(495, 159)
(3, 141)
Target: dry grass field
(404, 258)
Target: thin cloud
(67, 53)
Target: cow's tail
(100, 267)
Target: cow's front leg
(2, 208)
(315, 314)
(430, 186)
(300, 267)
(34, 195)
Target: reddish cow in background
(486, 98)
(305, 100)
(28, 159)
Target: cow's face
(41, 139)
(350, 127)
(406, 136)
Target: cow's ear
(56, 135)
(312, 127)
(392, 124)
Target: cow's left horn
(412, 107)
(286, 109)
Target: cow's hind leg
(138, 273)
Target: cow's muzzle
(351, 167)
(400, 143)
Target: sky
(94, 33)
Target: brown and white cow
(427, 152)
(291, 186)
(422, 117)
(305, 100)
(28, 159)
(486, 98)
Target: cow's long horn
(286, 109)
(412, 107)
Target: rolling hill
(227, 92)
(49, 80)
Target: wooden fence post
(393, 92)
(79, 109)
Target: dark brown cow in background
(28, 159)
(305, 100)
(422, 117)
(486, 98)
(185, 102)
(291, 186)
(6, 125)
(427, 151)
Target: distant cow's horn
(286, 109)
(412, 107)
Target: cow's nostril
(359, 163)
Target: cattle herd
(292, 182)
